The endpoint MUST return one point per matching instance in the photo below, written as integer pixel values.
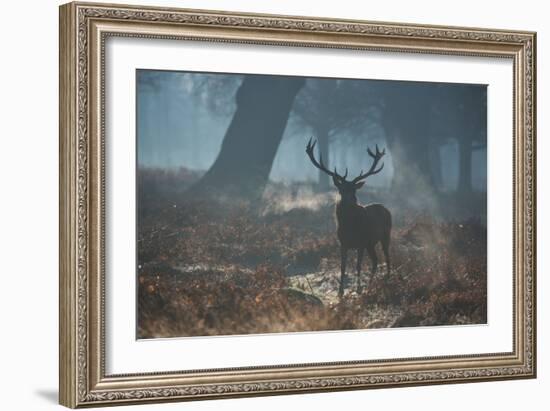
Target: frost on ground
(324, 286)
(210, 270)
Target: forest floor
(210, 270)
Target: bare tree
(242, 168)
(406, 119)
(461, 115)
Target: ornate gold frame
(83, 30)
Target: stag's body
(362, 228)
(359, 227)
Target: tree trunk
(243, 165)
(406, 124)
(411, 159)
(474, 121)
(435, 159)
(465, 169)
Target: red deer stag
(359, 227)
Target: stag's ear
(336, 182)
(359, 185)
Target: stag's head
(347, 188)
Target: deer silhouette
(359, 227)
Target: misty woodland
(285, 204)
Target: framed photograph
(259, 204)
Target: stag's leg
(371, 250)
(359, 261)
(343, 260)
(386, 248)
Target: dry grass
(220, 269)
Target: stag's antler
(379, 154)
(319, 164)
